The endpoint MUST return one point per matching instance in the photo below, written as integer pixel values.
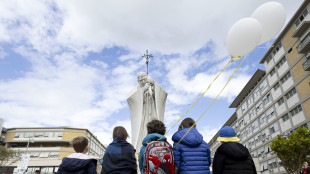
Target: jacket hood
(192, 139)
(234, 150)
(153, 137)
(76, 161)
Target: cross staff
(147, 57)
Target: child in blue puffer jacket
(192, 155)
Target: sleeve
(218, 163)
(92, 169)
(141, 158)
(253, 164)
(59, 171)
(177, 155)
(209, 156)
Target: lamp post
(23, 163)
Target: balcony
(304, 45)
(304, 26)
(306, 65)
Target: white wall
(279, 54)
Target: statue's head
(142, 79)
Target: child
(79, 162)
(231, 156)
(161, 160)
(119, 156)
(192, 154)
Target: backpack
(158, 158)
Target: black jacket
(77, 163)
(119, 158)
(233, 158)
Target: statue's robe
(145, 106)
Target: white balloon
(272, 17)
(243, 37)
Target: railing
(306, 65)
(303, 43)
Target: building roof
(248, 87)
(229, 122)
(286, 28)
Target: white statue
(146, 102)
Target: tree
(292, 150)
(7, 155)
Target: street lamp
(23, 163)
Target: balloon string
(212, 102)
(231, 60)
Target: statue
(146, 102)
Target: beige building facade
(276, 100)
(48, 146)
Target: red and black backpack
(158, 158)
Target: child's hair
(79, 144)
(156, 126)
(120, 131)
(187, 122)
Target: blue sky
(73, 63)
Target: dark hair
(37, 171)
(79, 144)
(156, 126)
(120, 131)
(187, 122)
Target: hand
(156, 161)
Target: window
(243, 107)
(256, 93)
(252, 112)
(34, 154)
(270, 112)
(263, 85)
(262, 119)
(16, 135)
(273, 165)
(267, 98)
(259, 106)
(38, 134)
(58, 134)
(290, 93)
(282, 61)
(276, 86)
(29, 134)
(54, 154)
(285, 117)
(280, 101)
(250, 100)
(269, 58)
(272, 72)
(277, 48)
(285, 77)
(301, 18)
(274, 128)
(43, 155)
(296, 110)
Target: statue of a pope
(146, 102)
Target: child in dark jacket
(231, 156)
(79, 162)
(119, 156)
(192, 154)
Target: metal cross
(147, 57)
